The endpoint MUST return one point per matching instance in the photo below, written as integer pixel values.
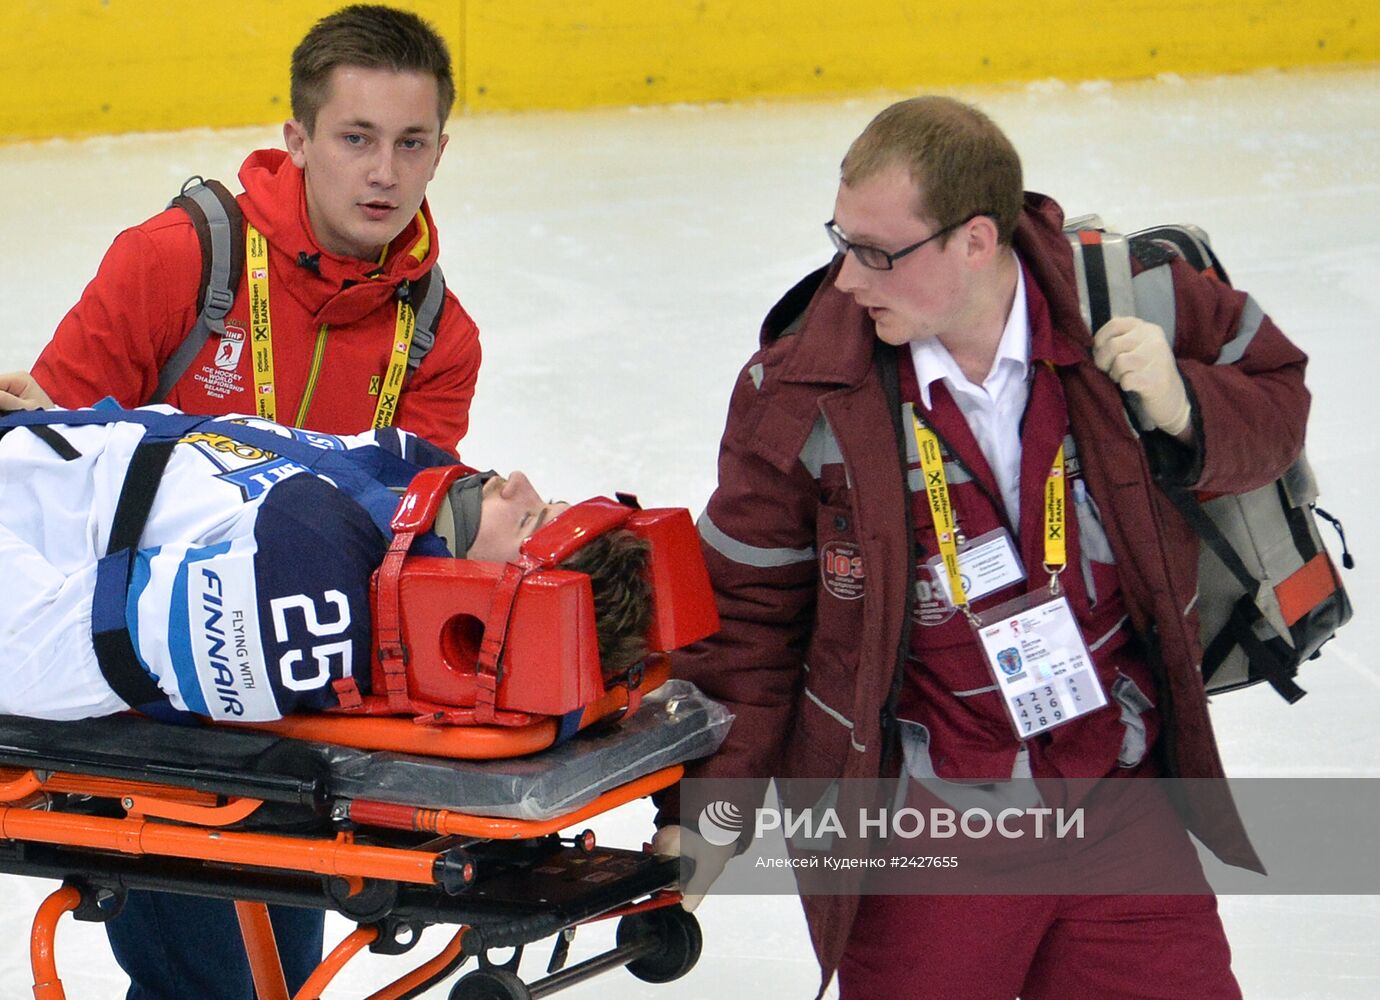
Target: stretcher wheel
(490, 984)
(676, 931)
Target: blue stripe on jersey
(138, 581)
(180, 636)
(108, 596)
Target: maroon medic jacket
(822, 391)
(947, 685)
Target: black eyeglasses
(875, 257)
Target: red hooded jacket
(333, 323)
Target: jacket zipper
(317, 354)
(889, 728)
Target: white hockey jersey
(249, 591)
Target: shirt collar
(934, 362)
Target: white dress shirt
(994, 408)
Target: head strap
(415, 514)
(545, 549)
(573, 530)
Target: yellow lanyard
(403, 329)
(1056, 555)
(942, 513)
(265, 393)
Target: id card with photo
(1041, 664)
(986, 563)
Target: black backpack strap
(1102, 267)
(109, 627)
(429, 295)
(1270, 658)
(219, 226)
(1212, 537)
(1186, 241)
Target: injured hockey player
(223, 567)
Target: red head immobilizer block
(464, 642)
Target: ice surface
(619, 263)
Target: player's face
(511, 511)
(922, 295)
(375, 148)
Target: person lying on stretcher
(244, 590)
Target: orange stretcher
(457, 809)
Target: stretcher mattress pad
(674, 724)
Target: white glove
(1137, 356)
(19, 391)
(677, 842)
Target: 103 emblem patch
(931, 607)
(841, 570)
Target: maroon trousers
(1135, 944)
(1038, 948)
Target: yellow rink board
(569, 55)
(72, 67)
(81, 67)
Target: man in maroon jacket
(929, 433)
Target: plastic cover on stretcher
(675, 723)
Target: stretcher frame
(450, 653)
(392, 869)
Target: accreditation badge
(1043, 669)
(986, 563)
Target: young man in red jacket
(919, 415)
(338, 236)
(346, 240)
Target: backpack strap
(219, 226)
(1272, 658)
(430, 295)
(1183, 240)
(1102, 267)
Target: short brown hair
(617, 567)
(370, 36)
(961, 162)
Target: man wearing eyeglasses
(928, 485)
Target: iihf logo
(1010, 661)
(720, 823)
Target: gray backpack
(1269, 595)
